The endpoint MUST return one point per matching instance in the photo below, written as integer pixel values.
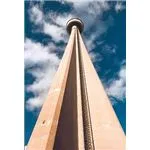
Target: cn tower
(77, 114)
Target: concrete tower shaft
(77, 114)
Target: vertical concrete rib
(87, 125)
(81, 145)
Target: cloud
(109, 49)
(60, 19)
(45, 57)
(48, 24)
(36, 15)
(117, 88)
(119, 6)
(57, 33)
(54, 24)
(36, 53)
(95, 6)
(95, 56)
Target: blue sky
(45, 40)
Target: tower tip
(74, 22)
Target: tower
(77, 114)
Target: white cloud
(34, 103)
(56, 32)
(37, 54)
(54, 24)
(95, 56)
(97, 5)
(50, 23)
(36, 15)
(109, 49)
(61, 20)
(40, 87)
(117, 88)
(119, 6)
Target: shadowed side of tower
(66, 135)
(77, 114)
